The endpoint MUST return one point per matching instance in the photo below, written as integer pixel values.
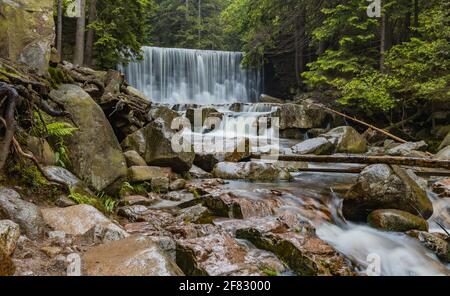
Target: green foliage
(122, 27)
(101, 202)
(270, 272)
(138, 189)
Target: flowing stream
(181, 78)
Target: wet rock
(407, 148)
(66, 177)
(435, 242)
(162, 113)
(9, 236)
(160, 184)
(347, 140)
(51, 251)
(27, 31)
(444, 154)
(135, 200)
(178, 184)
(222, 255)
(303, 251)
(203, 114)
(95, 153)
(269, 99)
(380, 187)
(157, 218)
(291, 166)
(135, 213)
(232, 206)
(24, 213)
(41, 150)
(192, 231)
(207, 161)
(147, 173)
(199, 173)
(442, 188)
(137, 93)
(318, 146)
(303, 116)
(99, 234)
(133, 256)
(197, 214)
(64, 202)
(77, 220)
(254, 171)
(395, 220)
(134, 159)
(154, 144)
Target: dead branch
(362, 123)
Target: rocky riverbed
(133, 205)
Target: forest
(224, 138)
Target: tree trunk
(416, 13)
(384, 35)
(81, 26)
(361, 159)
(90, 33)
(300, 46)
(59, 29)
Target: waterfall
(170, 75)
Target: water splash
(170, 75)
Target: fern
(101, 201)
(60, 129)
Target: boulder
(445, 142)
(178, 184)
(395, 220)
(407, 149)
(444, 154)
(9, 235)
(197, 214)
(302, 250)
(199, 173)
(160, 184)
(254, 171)
(78, 220)
(134, 200)
(318, 146)
(134, 159)
(222, 255)
(41, 150)
(203, 114)
(154, 144)
(347, 140)
(95, 153)
(382, 187)
(230, 205)
(133, 256)
(27, 31)
(301, 116)
(66, 177)
(26, 214)
(147, 173)
(435, 242)
(442, 188)
(162, 113)
(137, 93)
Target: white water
(170, 75)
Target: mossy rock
(396, 220)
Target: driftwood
(391, 160)
(361, 122)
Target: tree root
(12, 98)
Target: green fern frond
(60, 129)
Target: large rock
(301, 249)
(445, 142)
(382, 187)
(133, 256)
(203, 114)
(27, 31)
(444, 154)
(442, 188)
(436, 242)
(395, 220)
(165, 114)
(318, 146)
(9, 235)
(303, 116)
(66, 177)
(41, 150)
(154, 144)
(222, 255)
(254, 171)
(24, 213)
(94, 151)
(407, 149)
(347, 140)
(134, 159)
(147, 173)
(78, 220)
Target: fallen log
(400, 140)
(392, 160)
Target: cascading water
(170, 75)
